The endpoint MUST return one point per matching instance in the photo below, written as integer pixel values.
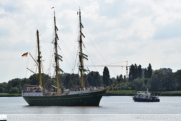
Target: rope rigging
(100, 54)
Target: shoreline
(10, 95)
(117, 93)
(133, 95)
(134, 92)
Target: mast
(81, 67)
(56, 54)
(39, 58)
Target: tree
(48, 84)
(131, 73)
(145, 73)
(34, 79)
(106, 76)
(14, 90)
(177, 77)
(94, 79)
(2, 89)
(168, 82)
(67, 82)
(156, 81)
(138, 84)
(75, 79)
(124, 78)
(149, 71)
(24, 81)
(118, 78)
(135, 75)
(139, 71)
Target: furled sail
(83, 55)
(58, 56)
(83, 69)
(60, 69)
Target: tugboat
(145, 97)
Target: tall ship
(35, 95)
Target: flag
(25, 55)
(52, 7)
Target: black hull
(84, 99)
(146, 100)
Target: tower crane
(113, 66)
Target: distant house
(165, 70)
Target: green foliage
(139, 71)
(94, 79)
(48, 84)
(34, 79)
(148, 71)
(68, 81)
(14, 83)
(135, 72)
(1, 89)
(122, 92)
(176, 93)
(177, 76)
(124, 78)
(156, 81)
(14, 90)
(106, 77)
(118, 78)
(140, 84)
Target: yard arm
(112, 85)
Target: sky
(116, 31)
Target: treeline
(159, 82)
(66, 81)
(141, 79)
(137, 72)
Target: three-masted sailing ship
(35, 95)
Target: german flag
(25, 54)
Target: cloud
(138, 31)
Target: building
(165, 70)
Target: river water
(111, 108)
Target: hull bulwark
(84, 99)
